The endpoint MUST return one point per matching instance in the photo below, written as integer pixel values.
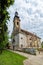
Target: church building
(22, 38)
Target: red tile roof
(29, 33)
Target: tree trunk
(1, 51)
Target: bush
(7, 46)
(29, 50)
(40, 49)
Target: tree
(42, 44)
(4, 16)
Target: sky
(31, 15)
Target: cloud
(30, 13)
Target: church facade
(22, 38)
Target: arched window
(30, 44)
(17, 23)
(21, 45)
(13, 40)
(21, 38)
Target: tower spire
(16, 13)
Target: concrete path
(32, 60)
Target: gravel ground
(32, 59)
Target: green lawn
(10, 58)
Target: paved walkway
(32, 60)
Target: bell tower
(16, 22)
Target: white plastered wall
(22, 40)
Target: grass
(10, 58)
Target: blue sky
(31, 15)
